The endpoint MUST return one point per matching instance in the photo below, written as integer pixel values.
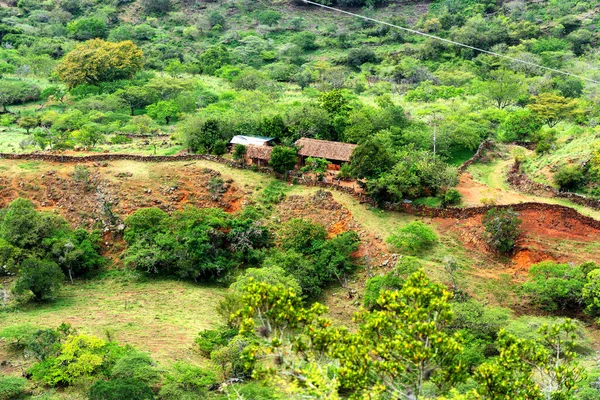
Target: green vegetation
(166, 77)
(502, 227)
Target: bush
(12, 387)
(121, 389)
(413, 238)
(211, 339)
(41, 277)
(136, 366)
(502, 229)
(80, 357)
(569, 177)
(555, 286)
(393, 280)
(451, 197)
(302, 235)
(186, 382)
(230, 358)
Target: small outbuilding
(252, 140)
(258, 155)
(337, 153)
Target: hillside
(435, 239)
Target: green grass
(428, 201)
(460, 156)
(159, 316)
(30, 165)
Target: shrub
(239, 152)
(569, 177)
(12, 387)
(136, 366)
(121, 389)
(230, 358)
(156, 6)
(502, 229)
(393, 280)
(555, 286)
(520, 125)
(451, 197)
(591, 292)
(302, 235)
(211, 339)
(41, 277)
(219, 148)
(185, 382)
(413, 238)
(80, 357)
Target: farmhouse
(336, 153)
(258, 155)
(252, 140)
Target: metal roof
(250, 140)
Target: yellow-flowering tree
(98, 61)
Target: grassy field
(162, 317)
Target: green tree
(239, 152)
(17, 92)
(40, 277)
(502, 229)
(305, 40)
(554, 286)
(87, 28)
(214, 58)
(552, 108)
(591, 293)
(302, 235)
(520, 125)
(334, 102)
(28, 123)
(135, 97)
(504, 88)
(163, 110)
(522, 363)
(383, 356)
(318, 166)
(268, 17)
(370, 159)
(98, 61)
(283, 159)
(89, 135)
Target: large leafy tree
(390, 357)
(504, 88)
(98, 61)
(552, 108)
(370, 159)
(136, 97)
(283, 159)
(40, 277)
(532, 369)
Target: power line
(413, 31)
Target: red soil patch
(545, 236)
(475, 193)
